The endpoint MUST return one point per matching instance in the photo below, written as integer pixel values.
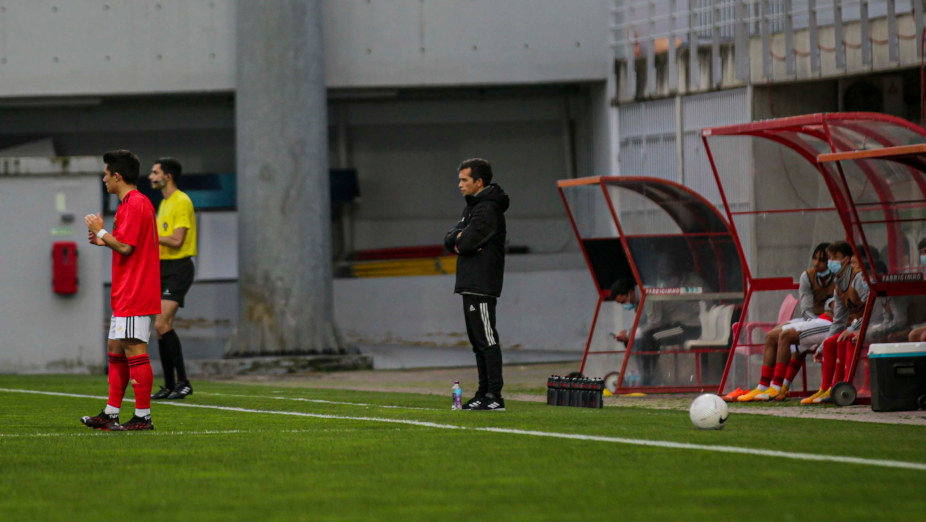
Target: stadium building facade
(546, 90)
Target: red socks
(139, 368)
(844, 360)
(766, 377)
(839, 374)
(118, 379)
(780, 370)
(829, 362)
(793, 367)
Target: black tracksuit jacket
(481, 246)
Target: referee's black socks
(171, 340)
(167, 360)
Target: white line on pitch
(97, 433)
(596, 438)
(318, 401)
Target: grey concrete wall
(174, 46)
(94, 47)
(541, 310)
(449, 42)
(537, 310)
(42, 331)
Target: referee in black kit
(479, 241)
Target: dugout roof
(872, 193)
(674, 244)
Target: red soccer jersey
(137, 276)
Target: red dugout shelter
(819, 178)
(679, 252)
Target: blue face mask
(628, 306)
(834, 266)
(922, 259)
(825, 272)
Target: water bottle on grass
(457, 394)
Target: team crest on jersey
(165, 225)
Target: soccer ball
(708, 412)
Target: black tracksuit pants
(479, 311)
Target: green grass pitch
(247, 452)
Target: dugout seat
(785, 313)
(716, 325)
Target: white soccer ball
(708, 412)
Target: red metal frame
(785, 131)
(703, 206)
(899, 154)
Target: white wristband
(101, 233)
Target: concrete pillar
(284, 244)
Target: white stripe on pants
(487, 324)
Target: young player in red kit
(136, 292)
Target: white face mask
(628, 306)
(834, 266)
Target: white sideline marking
(98, 433)
(596, 438)
(247, 410)
(318, 401)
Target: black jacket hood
(493, 193)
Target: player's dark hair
(125, 163)
(479, 169)
(622, 287)
(820, 250)
(170, 166)
(880, 265)
(840, 247)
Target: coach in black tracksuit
(479, 240)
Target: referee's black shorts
(176, 278)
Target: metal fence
(642, 29)
(662, 139)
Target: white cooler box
(898, 376)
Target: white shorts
(136, 327)
(811, 333)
